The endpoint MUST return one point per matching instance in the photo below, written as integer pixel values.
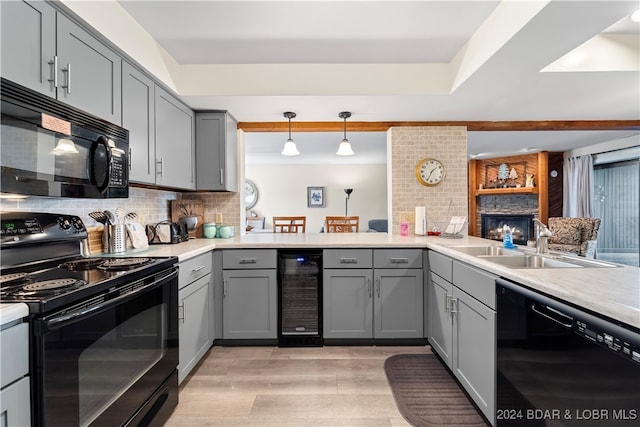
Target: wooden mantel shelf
(503, 191)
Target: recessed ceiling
(382, 60)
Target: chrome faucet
(542, 237)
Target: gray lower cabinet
(250, 294)
(138, 116)
(217, 151)
(462, 323)
(347, 303)
(15, 409)
(44, 50)
(195, 312)
(174, 142)
(364, 302)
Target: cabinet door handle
(399, 260)
(454, 305)
(348, 260)
(224, 288)
(54, 64)
(129, 159)
(161, 163)
(447, 303)
(378, 286)
(369, 286)
(247, 261)
(68, 71)
(196, 269)
(181, 312)
(221, 176)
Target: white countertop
(613, 292)
(12, 312)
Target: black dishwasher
(299, 298)
(561, 366)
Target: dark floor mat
(427, 395)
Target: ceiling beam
(471, 126)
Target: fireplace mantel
(545, 188)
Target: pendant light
(290, 148)
(345, 147)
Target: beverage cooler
(299, 298)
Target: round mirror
(250, 194)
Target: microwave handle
(102, 187)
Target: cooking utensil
(120, 215)
(99, 216)
(111, 218)
(131, 217)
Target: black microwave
(52, 149)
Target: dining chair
(289, 224)
(342, 224)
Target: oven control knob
(77, 223)
(64, 223)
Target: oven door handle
(74, 316)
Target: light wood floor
(290, 387)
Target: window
(617, 203)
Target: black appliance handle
(74, 316)
(552, 314)
(102, 187)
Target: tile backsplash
(150, 205)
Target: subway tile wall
(448, 144)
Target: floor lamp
(346, 201)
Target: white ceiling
(404, 61)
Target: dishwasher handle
(552, 314)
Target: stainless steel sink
(530, 261)
(486, 250)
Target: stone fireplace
(521, 227)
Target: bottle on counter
(507, 237)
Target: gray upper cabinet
(89, 73)
(29, 44)
(175, 143)
(138, 112)
(44, 50)
(216, 151)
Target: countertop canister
(209, 229)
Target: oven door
(99, 363)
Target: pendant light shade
(290, 148)
(345, 147)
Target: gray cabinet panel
(347, 303)
(250, 259)
(474, 350)
(477, 283)
(441, 265)
(250, 304)
(28, 44)
(138, 111)
(398, 303)
(15, 353)
(347, 258)
(194, 313)
(217, 151)
(175, 143)
(440, 320)
(397, 258)
(15, 407)
(89, 73)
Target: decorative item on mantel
(505, 176)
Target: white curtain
(578, 186)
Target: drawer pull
(399, 260)
(247, 261)
(196, 269)
(348, 260)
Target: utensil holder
(115, 238)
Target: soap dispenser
(507, 237)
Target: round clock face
(250, 194)
(429, 172)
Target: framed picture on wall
(315, 197)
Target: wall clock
(429, 172)
(250, 194)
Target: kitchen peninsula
(611, 292)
